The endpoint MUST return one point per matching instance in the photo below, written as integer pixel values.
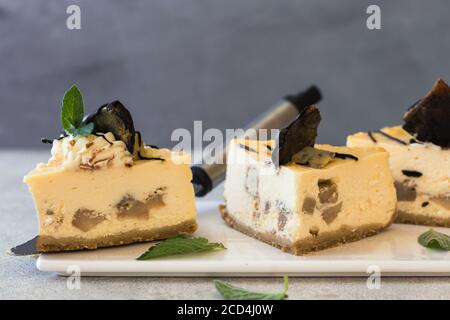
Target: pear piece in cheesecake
(308, 196)
(102, 189)
(419, 158)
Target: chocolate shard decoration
(429, 119)
(115, 118)
(301, 133)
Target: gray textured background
(220, 61)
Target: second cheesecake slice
(316, 197)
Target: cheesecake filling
(297, 204)
(91, 221)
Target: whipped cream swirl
(92, 152)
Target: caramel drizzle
(139, 138)
(50, 141)
(370, 134)
(391, 137)
(345, 156)
(46, 141)
(247, 148)
(141, 157)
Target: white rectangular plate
(394, 252)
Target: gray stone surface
(19, 278)
(220, 61)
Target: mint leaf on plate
(435, 240)
(72, 113)
(180, 245)
(230, 292)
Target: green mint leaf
(83, 131)
(180, 245)
(67, 125)
(435, 240)
(230, 292)
(72, 111)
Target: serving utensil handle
(207, 176)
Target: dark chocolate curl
(301, 133)
(114, 117)
(429, 119)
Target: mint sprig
(435, 240)
(72, 113)
(180, 245)
(230, 292)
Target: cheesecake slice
(419, 158)
(103, 189)
(316, 197)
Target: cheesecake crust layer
(310, 244)
(51, 244)
(409, 218)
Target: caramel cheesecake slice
(419, 158)
(107, 188)
(315, 197)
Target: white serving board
(394, 252)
